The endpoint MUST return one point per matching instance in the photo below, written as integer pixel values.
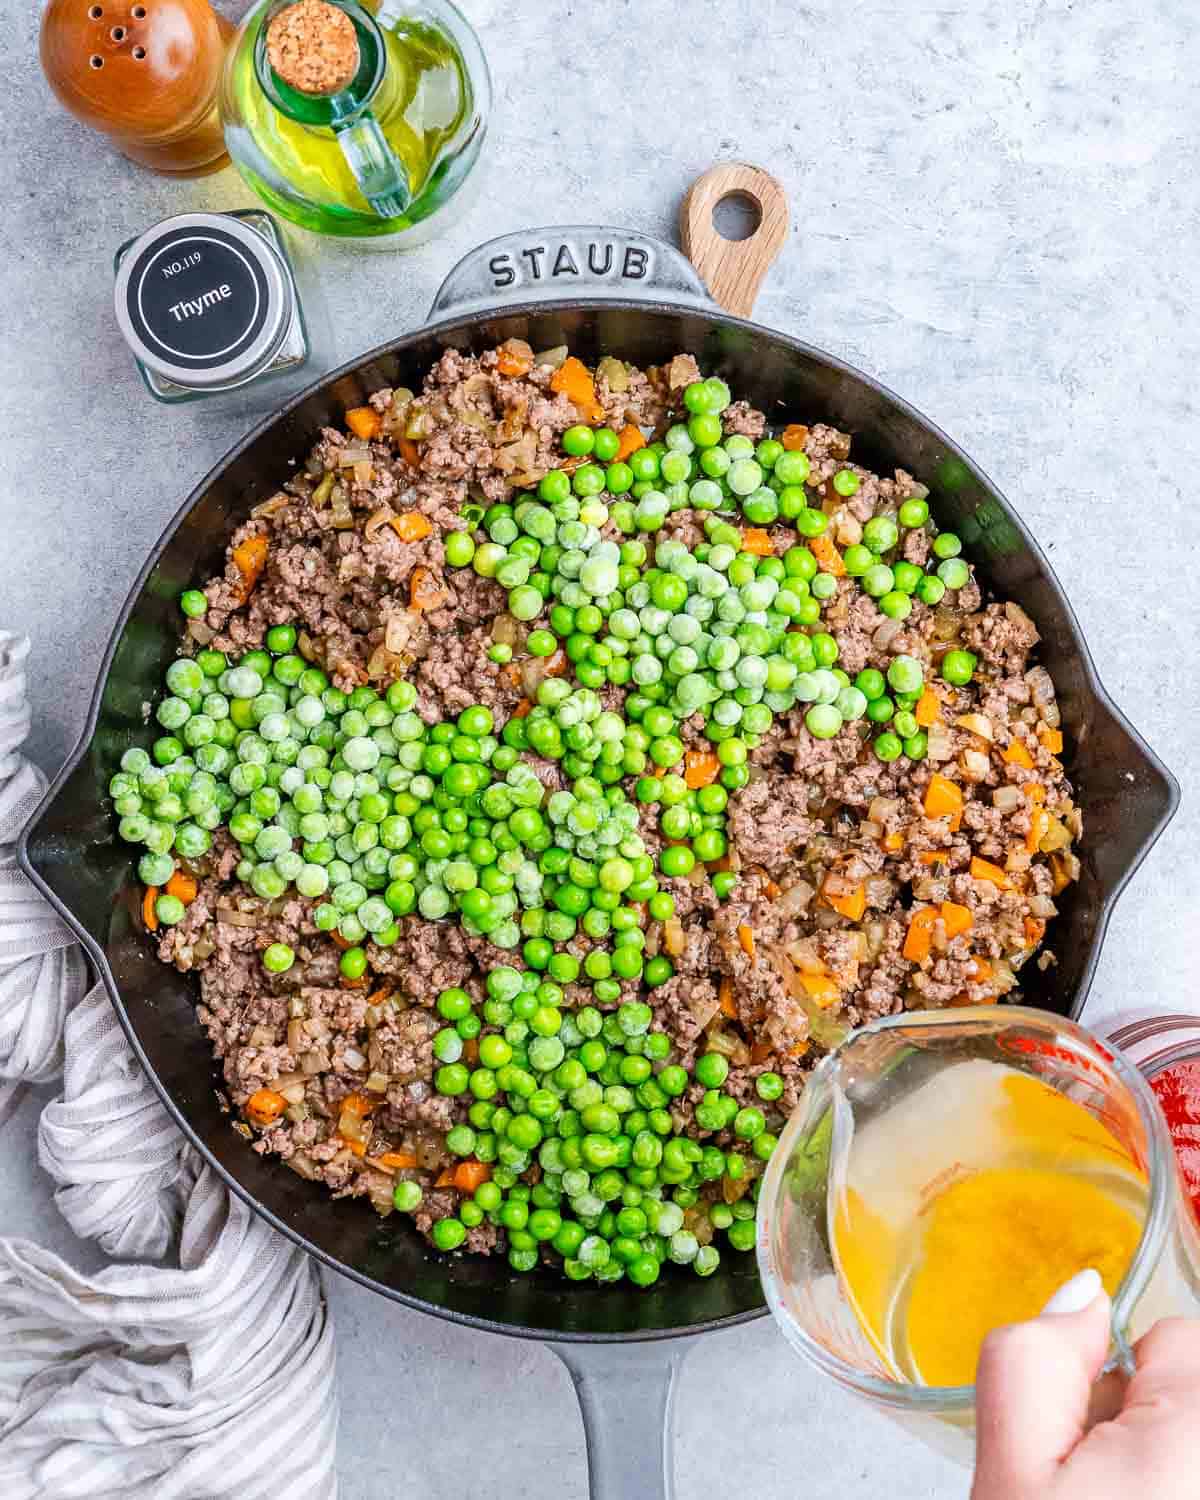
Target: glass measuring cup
(871, 1075)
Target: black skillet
(601, 291)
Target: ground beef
(356, 559)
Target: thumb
(1033, 1387)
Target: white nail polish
(1074, 1295)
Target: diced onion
(978, 724)
(352, 453)
(795, 898)
(975, 765)
(354, 1058)
(552, 358)
(673, 938)
(273, 506)
(234, 917)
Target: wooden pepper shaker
(143, 72)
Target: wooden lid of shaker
(313, 48)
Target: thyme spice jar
(210, 305)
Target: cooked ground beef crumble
(769, 974)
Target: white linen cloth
(210, 1375)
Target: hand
(1047, 1430)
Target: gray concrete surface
(992, 211)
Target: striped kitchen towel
(205, 1376)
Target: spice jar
(211, 307)
(144, 73)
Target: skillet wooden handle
(733, 269)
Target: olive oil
(413, 118)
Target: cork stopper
(312, 46)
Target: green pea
(914, 513)
(958, 667)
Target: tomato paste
(1178, 1091)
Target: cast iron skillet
(600, 291)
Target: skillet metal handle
(566, 261)
(627, 1395)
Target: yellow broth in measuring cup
(967, 1205)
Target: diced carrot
(471, 1174)
(700, 768)
(445, 1178)
(556, 665)
(1039, 824)
(364, 422)
(470, 1052)
(934, 856)
(773, 889)
(943, 799)
(929, 708)
(1061, 873)
(512, 364)
(1016, 753)
(794, 436)
(523, 709)
(893, 841)
(851, 906)
(357, 1148)
(359, 1104)
(798, 1050)
(821, 989)
(746, 940)
(411, 526)
(918, 941)
(398, 1161)
(182, 885)
(149, 915)
(425, 591)
(829, 559)
(956, 919)
(513, 673)
(410, 453)
(983, 970)
(353, 984)
(264, 1106)
(380, 995)
(760, 1051)
(573, 380)
(339, 941)
(1035, 791)
(984, 869)
(250, 558)
(1035, 931)
(631, 440)
(1052, 739)
(728, 1008)
(757, 542)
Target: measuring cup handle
(627, 1395)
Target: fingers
(1034, 1386)
(1168, 1364)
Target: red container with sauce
(1166, 1049)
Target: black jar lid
(203, 299)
